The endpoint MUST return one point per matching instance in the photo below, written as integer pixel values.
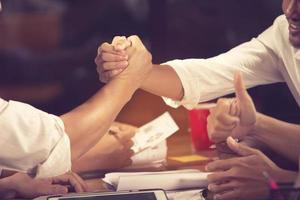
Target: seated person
(243, 177)
(44, 146)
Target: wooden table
(178, 145)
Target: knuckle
(103, 46)
(106, 65)
(219, 117)
(232, 172)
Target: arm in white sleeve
(207, 79)
(32, 141)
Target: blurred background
(47, 47)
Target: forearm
(87, 123)
(280, 136)
(164, 81)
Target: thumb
(240, 149)
(120, 43)
(240, 90)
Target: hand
(113, 151)
(27, 187)
(112, 58)
(232, 117)
(242, 177)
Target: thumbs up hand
(232, 117)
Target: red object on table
(198, 129)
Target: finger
(127, 133)
(223, 105)
(136, 41)
(228, 195)
(128, 144)
(109, 57)
(75, 184)
(226, 122)
(57, 189)
(117, 40)
(240, 149)
(222, 165)
(218, 136)
(219, 188)
(114, 65)
(114, 72)
(103, 77)
(240, 90)
(106, 47)
(81, 181)
(219, 165)
(121, 43)
(218, 177)
(68, 179)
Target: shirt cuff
(191, 87)
(59, 160)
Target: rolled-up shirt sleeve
(207, 79)
(32, 141)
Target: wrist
(147, 79)
(122, 87)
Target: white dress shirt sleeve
(207, 79)
(32, 141)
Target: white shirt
(32, 141)
(269, 58)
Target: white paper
(151, 157)
(154, 132)
(113, 178)
(167, 180)
(163, 181)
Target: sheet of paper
(189, 158)
(154, 132)
(169, 181)
(153, 156)
(113, 178)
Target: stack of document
(150, 144)
(167, 180)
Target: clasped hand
(124, 58)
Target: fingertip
(119, 47)
(59, 189)
(230, 141)
(86, 187)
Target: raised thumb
(240, 90)
(240, 149)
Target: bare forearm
(87, 123)
(280, 136)
(164, 81)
